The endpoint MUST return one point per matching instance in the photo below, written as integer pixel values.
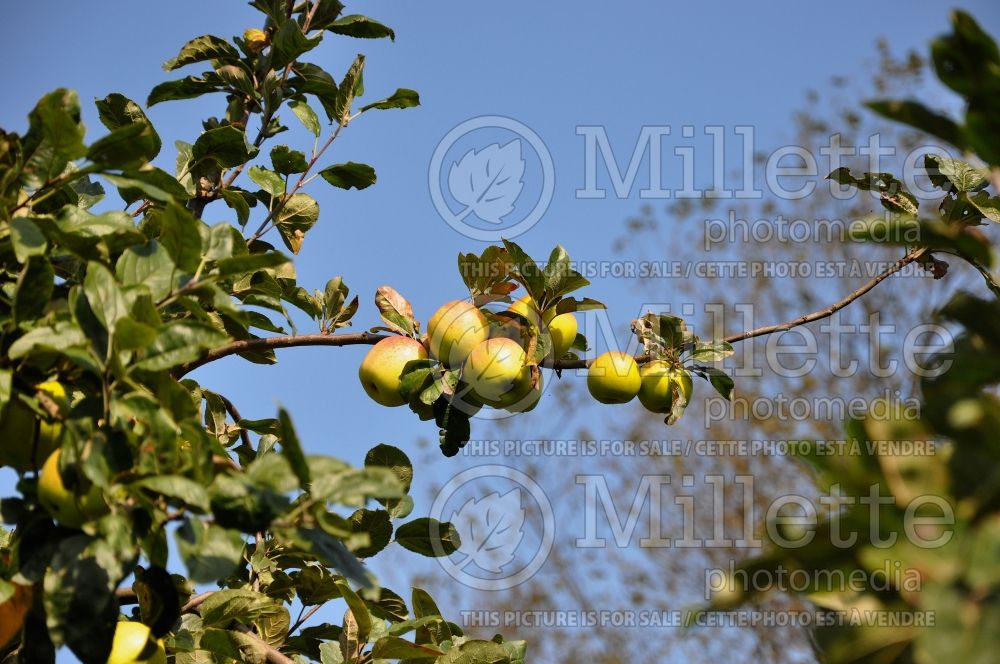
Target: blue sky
(552, 66)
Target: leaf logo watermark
(491, 530)
(499, 549)
(489, 181)
(475, 179)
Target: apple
(380, 370)
(12, 613)
(454, 330)
(522, 398)
(134, 644)
(562, 329)
(658, 378)
(614, 378)
(63, 505)
(494, 368)
(21, 446)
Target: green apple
(562, 329)
(494, 368)
(657, 390)
(613, 378)
(21, 446)
(134, 644)
(454, 330)
(62, 504)
(380, 370)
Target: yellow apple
(562, 329)
(525, 306)
(62, 504)
(522, 397)
(134, 644)
(494, 368)
(22, 447)
(656, 392)
(454, 330)
(12, 613)
(380, 370)
(613, 378)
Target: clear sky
(551, 65)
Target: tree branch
(368, 338)
(270, 343)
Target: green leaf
(104, 295)
(377, 525)
(352, 86)
(988, 206)
(60, 337)
(293, 449)
(181, 489)
(963, 177)
(428, 537)
(358, 608)
(180, 342)
(237, 78)
(711, 351)
(314, 80)
(303, 111)
(125, 147)
(202, 49)
(130, 334)
(295, 219)
(35, 285)
(224, 606)
(149, 265)
(917, 115)
(476, 652)
(528, 272)
(892, 192)
(269, 181)
(239, 203)
(287, 161)
(152, 183)
(395, 310)
(355, 25)
(188, 87)
(237, 265)
(719, 379)
(401, 98)
(289, 43)
(226, 145)
(54, 138)
(180, 235)
(209, 552)
(393, 647)
(351, 174)
(27, 239)
(117, 110)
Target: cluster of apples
(28, 442)
(616, 377)
(495, 368)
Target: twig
(270, 343)
(304, 617)
(235, 414)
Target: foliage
(953, 609)
(116, 305)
